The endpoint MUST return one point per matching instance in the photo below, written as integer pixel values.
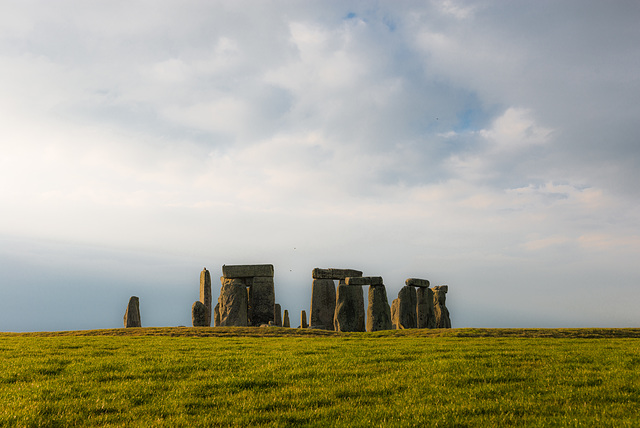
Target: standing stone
(132, 314)
(233, 303)
(303, 319)
(216, 315)
(394, 314)
(262, 300)
(349, 313)
(424, 308)
(286, 322)
(441, 311)
(378, 311)
(205, 294)
(323, 304)
(406, 315)
(277, 320)
(199, 314)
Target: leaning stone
(349, 314)
(394, 314)
(246, 271)
(233, 303)
(441, 312)
(378, 311)
(205, 294)
(199, 314)
(333, 273)
(132, 314)
(216, 315)
(261, 300)
(425, 312)
(415, 282)
(406, 308)
(278, 315)
(364, 280)
(323, 304)
(303, 319)
(286, 322)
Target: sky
(490, 146)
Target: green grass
(290, 377)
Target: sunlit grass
(289, 377)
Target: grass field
(291, 377)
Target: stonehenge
(132, 314)
(247, 298)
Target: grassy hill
(291, 377)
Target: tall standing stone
(286, 322)
(277, 320)
(205, 294)
(378, 311)
(394, 314)
(303, 319)
(406, 315)
(441, 311)
(323, 304)
(262, 300)
(424, 308)
(199, 314)
(233, 302)
(349, 313)
(216, 315)
(132, 314)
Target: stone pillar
(406, 312)
(349, 314)
(286, 322)
(199, 314)
(277, 320)
(440, 309)
(394, 314)
(261, 300)
(425, 317)
(205, 294)
(216, 315)
(132, 314)
(303, 319)
(233, 302)
(323, 295)
(378, 311)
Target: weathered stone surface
(406, 316)
(303, 319)
(285, 322)
(199, 314)
(262, 299)
(132, 314)
(349, 314)
(233, 303)
(415, 282)
(424, 308)
(277, 319)
(441, 312)
(216, 315)
(363, 280)
(394, 313)
(332, 273)
(323, 304)
(205, 294)
(378, 311)
(246, 271)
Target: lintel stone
(415, 282)
(246, 271)
(364, 280)
(332, 273)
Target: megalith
(406, 311)
(132, 314)
(440, 309)
(260, 291)
(303, 319)
(205, 294)
(285, 322)
(216, 315)
(394, 314)
(277, 319)
(378, 310)
(199, 314)
(323, 295)
(349, 313)
(425, 316)
(233, 302)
